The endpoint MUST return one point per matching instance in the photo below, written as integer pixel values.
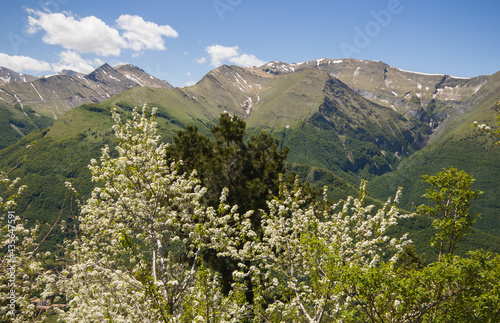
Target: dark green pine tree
(249, 169)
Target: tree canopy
(250, 170)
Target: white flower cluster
(142, 235)
(305, 252)
(482, 127)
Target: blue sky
(182, 40)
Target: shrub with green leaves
(451, 191)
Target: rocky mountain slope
(8, 75)
(140, 77)
(54, 95)
(432, 98)
(357, 119)
(331, 125)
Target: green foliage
(208, 304)
(126, 106)
(21, 262)
(454, 290)
(337, 187)
(452, 193)
(352, 145)
(51, 163)
(250, 170)
(336, 139)
(410, 260)
(307, 253)
(8, 135)
(143, 234)
(466, 150)
(62, 152)
(94, 107)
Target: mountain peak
(278, 68)
(106, 74)
(140, 77)
(69, 73)
(8, 75)
(410, 93)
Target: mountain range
(343, 120)
(29, 103)
(56, 94)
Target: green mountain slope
(352, 134)
(326, 123)
(431, 98)
(16, 122)
(63, 150)
(462, 147)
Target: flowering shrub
(306, 252)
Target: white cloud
(92, 35)
(201, 60)
(86, 35)
(220, 54)
(190, 83)
(70, 60)
(23, 64)
(142, 34)
(247, 60)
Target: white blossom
(141, 235)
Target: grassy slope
(462, 147)
(61, 153)
(16, 123)
(289, 99)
